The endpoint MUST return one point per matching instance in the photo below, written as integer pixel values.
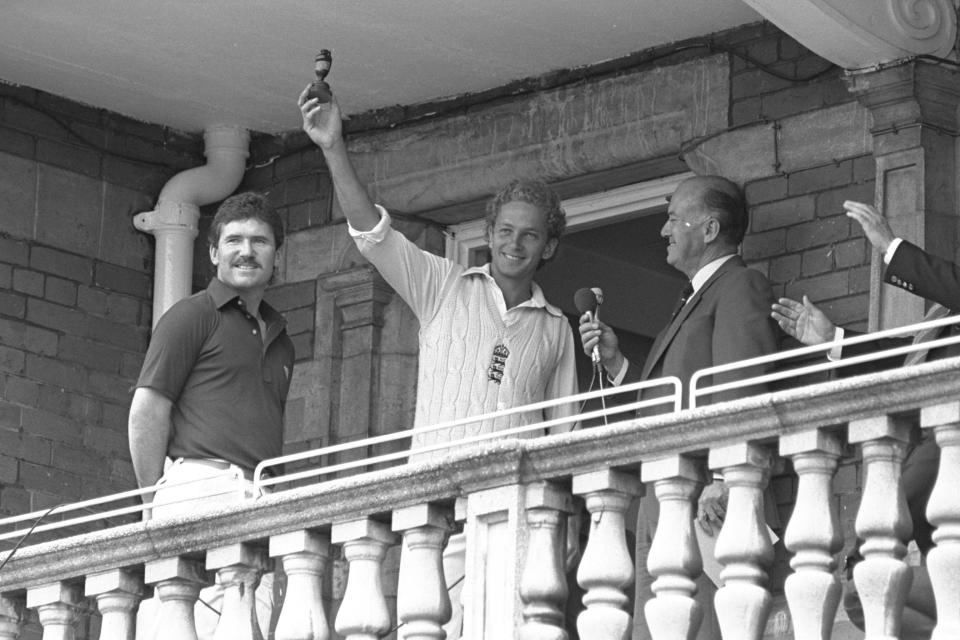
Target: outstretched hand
(321, 121)
(804, 321)
(875, 226)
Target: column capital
(909, 93)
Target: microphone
(588, 301)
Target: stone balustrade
(513, 498)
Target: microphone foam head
(585, 300)
(598, 293)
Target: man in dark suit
(937, 280)
(723, 317)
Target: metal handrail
(260, 481)
(674, 398)
(85, 505)
(695, 390)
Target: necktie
(936, 312)
(684, 296)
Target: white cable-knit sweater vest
(460, 327)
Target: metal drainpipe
(174, 221)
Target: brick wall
(75, 291)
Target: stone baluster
(543, 585)
(883, 523)
(304, 555)
(943, 511)
(743, 546)
(674, 557)
(239, 567)
(423, 605)
(605, 568)
(56, 606)
(363, 613)
(118, 593)
(176, 584)
(10, 616)
(813, 534)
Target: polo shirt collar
(222, 294)
(537, 299)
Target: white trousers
(186, 486)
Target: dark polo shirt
(206, 355)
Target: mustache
(247, 262)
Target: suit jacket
(916, 271)
(726, 320)
(928, 276)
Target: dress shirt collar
(537, 299)
(706, 271)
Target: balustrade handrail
(696, 391)
(260, 481)
(759, 419)
(668, 381)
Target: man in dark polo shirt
(209, 401)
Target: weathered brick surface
(71, 266)
(12, 304)
(28, 282)
(60, 291)
(11, 360)
(116, 278)
(75, 288)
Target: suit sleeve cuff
(617, 380)
(836, 351)
(892, 249)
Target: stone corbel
(856, 34)
(361, 295)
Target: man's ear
(214, 257)
(550, 248)
(711, 230)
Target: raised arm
(322, 122)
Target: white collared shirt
(700, 278)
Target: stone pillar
(423, 605)
(883, 579)
(239, 568)
(363, 614)
(304, 555)
(915, 129)
(56, 606)
(743, 546)
(118, 592)
(543, 586)
(606, 569)
(813, 534)
(10, 612)
(360, 295)
(943, 511)
(176, 583)
(674, 558)
(496, 533)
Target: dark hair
(244, 206)
(536, 193)
(725, 200)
